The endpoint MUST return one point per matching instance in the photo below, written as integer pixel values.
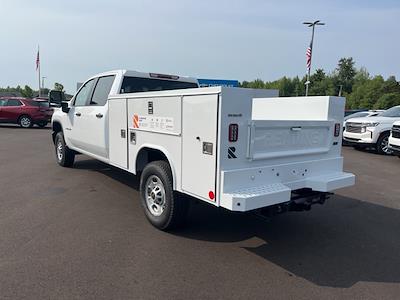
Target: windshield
(393, 112)
(357, 115)
(137, 84)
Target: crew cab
(372, 131)
(394, 139)
(240, 149)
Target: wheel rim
(385, 145)
(59, 150)
(25, 122)
(155, 195)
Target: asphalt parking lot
(81, 233)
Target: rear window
(137, 84)
(394, 112)
(33, 103)
(44, 104)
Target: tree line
(28, 92)
(360, 88)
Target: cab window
(102, 90)
(84, 93)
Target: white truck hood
(378, 119)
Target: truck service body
(241, 149)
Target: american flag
(37, 60)
(308, 57)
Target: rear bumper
(267, 188)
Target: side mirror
(65, 106)
(56, 98)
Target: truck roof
(133, 73)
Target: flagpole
(38, 65)
(309, 69)
(311, 24)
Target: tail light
(337, 129)
(233, 132)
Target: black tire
(42, 124)
(25, 121)
(171, 211)
(383, 143)
(65, 156)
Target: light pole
(309, 50)
(43, 77)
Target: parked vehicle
(394, 139)
(23, 111)
(348, 112)
(360, 114)
(240, 149)
(372, 131)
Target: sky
(241, 40)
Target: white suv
(394, 139)
(372, 131)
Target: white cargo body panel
(118, 133)
(199, 144)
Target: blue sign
(218, 82)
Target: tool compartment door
(118, 135)
(199, 144)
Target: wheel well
(56, 129)
(147, 155)
(384, 132)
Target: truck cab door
(2, 103)
(89, 117)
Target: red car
(25, 112)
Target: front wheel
(163, 208)
(65, 156)
(25, 122)
(382, 145)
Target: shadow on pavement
(110, 171)
(338, 244)
(9, 126)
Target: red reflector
(233, 132)
(211, 195)
(337, 129)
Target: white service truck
(394, 139)
(240, 149)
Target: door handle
(99, 115)
(78, 114)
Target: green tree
(345, 73)
(58, 87)
(387, 101)
(26, 92)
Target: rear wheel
(65, 156)
(163, 208)
(382, 145)
(25, 121)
